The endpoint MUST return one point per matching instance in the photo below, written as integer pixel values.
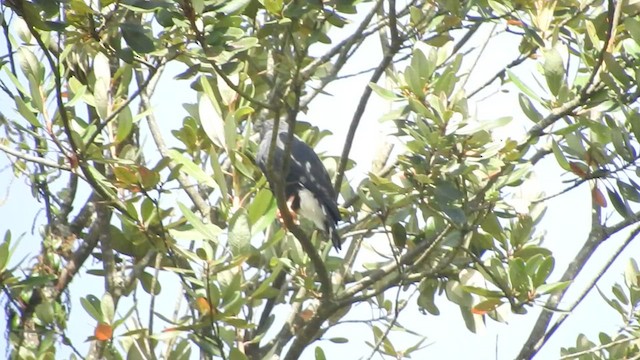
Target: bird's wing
(306, 168)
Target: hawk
(307, 185)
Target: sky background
(565, 225)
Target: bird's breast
(311, 208)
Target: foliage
(199, 217)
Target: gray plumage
(307, 181)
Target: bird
(307, 185)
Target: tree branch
(34, 159)
(634, 233)
(357, 116)
(536, 338)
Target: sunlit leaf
(552, 288)
(191, 169)
(136, 37)
(107, 308)
(486, 306)
(383, 92)
(528, 108)
(239, 233)
(92, 305)
(102, 73)
(553, 70)
(210, 231)
(319, 353)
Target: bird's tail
(335, 238)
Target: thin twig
(598, 348)
(34, 159)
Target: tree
(199, 217)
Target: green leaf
(492, 226)
(426, 300)
(628, 192)
(148, 281)
(92, 306)
(26, 112)
(528, 108)
(618, 292)
(239, 233)
(14, 80)
(35, 281)
(45, 312)
(319, 353)
(618, 204)
(218, 174)
(273, 6)
(265, 285)
(384, 93)
(631, 273)
(632, 25)
(125, 124)
(191, 169)
(543, 271)
(456, 293)
(422, 66)
(107, 308)
(136, 37)
(523, 87)
(413, 82)
(209, 231)
(233, 7)
(439, 40)
(622, 144)
(230, 135)
(552, 288)
(520, 280)
(553, 70)
(560, 158)
(259, 206)
(211, 121)
(455, 214)
(616, 70)
(236, 354)
(399, 234)
(102, 73)
(4, 255)
(36, 96)
(487, 305)
(483, 292)
(339, 340)
(30, 65)
(419, 108)
(103, 183)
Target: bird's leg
(292, 212)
